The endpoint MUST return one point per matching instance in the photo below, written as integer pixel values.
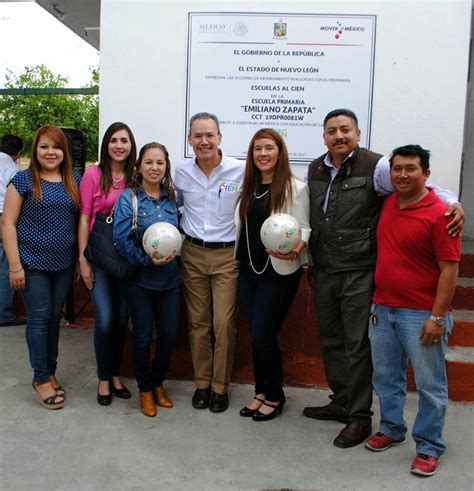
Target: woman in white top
(268, 280)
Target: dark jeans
(150, 309)
(7, 314)
(266, 299)
(44, 295)
(111, 319)
(343, 303)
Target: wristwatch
(438, 320)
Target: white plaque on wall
(284, 71)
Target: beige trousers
(210, 278)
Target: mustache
(340, 140)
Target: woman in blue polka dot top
(39, 234)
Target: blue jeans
(266, 299)
(395, 339)
(44, 295)
(111, 319)
(150, 309)
(7, 314)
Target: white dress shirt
(209, 203)
(8, 169)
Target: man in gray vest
(347, 185)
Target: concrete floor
(87, 447)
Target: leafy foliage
(24, 114)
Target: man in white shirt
(9, 152)
(208, 187)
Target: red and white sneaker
(424, 465)
(380, 442)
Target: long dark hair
(105, 159)
(166, 182)
(66, 167)
(280, 190)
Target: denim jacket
(129, 245)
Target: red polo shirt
(410, 242)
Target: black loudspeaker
(77, 144)
(77, 148)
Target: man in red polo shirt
(415, 278)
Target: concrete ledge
(463, 330)
(460, 354)
(460, 370)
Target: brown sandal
(59, 389)
(50, 402)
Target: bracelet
(17, 271)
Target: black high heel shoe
(277, 409)
(122, 393)
(103, 400)
(246, 412)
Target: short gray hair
(204, 115)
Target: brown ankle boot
(161, 398)
(147, 404)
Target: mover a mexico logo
(339, 29)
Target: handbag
(101, 251)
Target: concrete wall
(420, 70)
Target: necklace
(248, 248)
(263, 194)
(116, 181)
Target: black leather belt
(209, 245)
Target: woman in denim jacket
(153, 295)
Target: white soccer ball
(280, 233)
(162, 239)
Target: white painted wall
(467, 190)
(422, 51)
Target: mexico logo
(279, 29)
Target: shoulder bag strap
(110, 216)
(135, 211)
